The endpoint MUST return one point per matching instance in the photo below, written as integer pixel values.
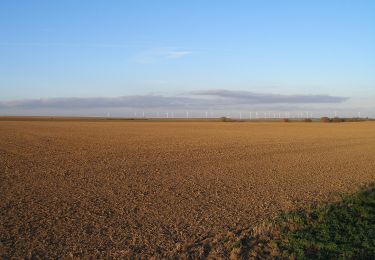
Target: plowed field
(126, 188)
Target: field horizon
(132, 188)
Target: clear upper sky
(75, 48)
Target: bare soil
(128, 188)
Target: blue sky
(85, 49)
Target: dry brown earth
(116, 188)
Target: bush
(338, 120)
(307, 120)
(335, 119)
(286, 120)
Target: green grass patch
(345, 229)
(336, 230)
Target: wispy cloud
(248, 97)
(196, 100)
(156, 55)
(177, 54)
(145, 101)
(69, 44)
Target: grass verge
(341, 230)
(345, 229)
